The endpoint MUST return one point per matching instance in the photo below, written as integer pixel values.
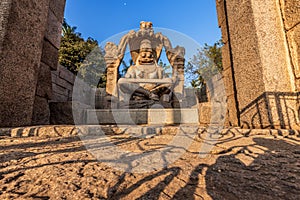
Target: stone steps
(49, 131)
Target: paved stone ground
(240, 166)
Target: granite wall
(29, 41)
(62, 84)
(260, 59)
(64, 104)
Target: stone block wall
(49, 62)
(291, 17)
(62, 84)
(66, 106)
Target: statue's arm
(130, 73)
(160, 72)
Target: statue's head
(146, 54)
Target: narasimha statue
(145, 79)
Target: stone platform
(142, 116)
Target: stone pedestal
(142, 116)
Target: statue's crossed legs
(147, 88)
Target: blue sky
(101, 19)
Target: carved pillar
(112, 60)
(112, 76)
(176, 59)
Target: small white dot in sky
(125, 4)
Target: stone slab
(142, 116)
(117, 116)
(58, 8)
(50, 55)
(173, 116)
(291, 12)
(53, 31)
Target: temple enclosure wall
(260, 59)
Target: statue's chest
(146, 72)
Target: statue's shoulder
(132, 68)
(131, 72)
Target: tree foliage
(205, 64)
(82, 56)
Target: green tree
(205, 64)
(83, 56)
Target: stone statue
(141, 78)
(145, 80)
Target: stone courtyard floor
(241, 165)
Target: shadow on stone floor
(273, 172)
(272, 175)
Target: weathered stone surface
(50, 55)
(232, 112)
(291, 12)
(226, 62)
(58, 7)
(61, 113)
(44, 84)
(67, 112)
(5, 6)
(143, 116)
(53, 31)
(228, 82)
(100, 94)
(220, 11)
(56, 97)
(23, 28)
(60, 90)
(243, 39)
(118, 116)
(260, 59)
(65, 74)
(294, 46)
(251, 164)
(52, 131)
(41, 112)
(191, 97)
(271, 110)
(63, 82)
(272, 47)
(173, 116)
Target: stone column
(260, 66)
(113, 59)
(23, 24)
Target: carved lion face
(146, 57)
